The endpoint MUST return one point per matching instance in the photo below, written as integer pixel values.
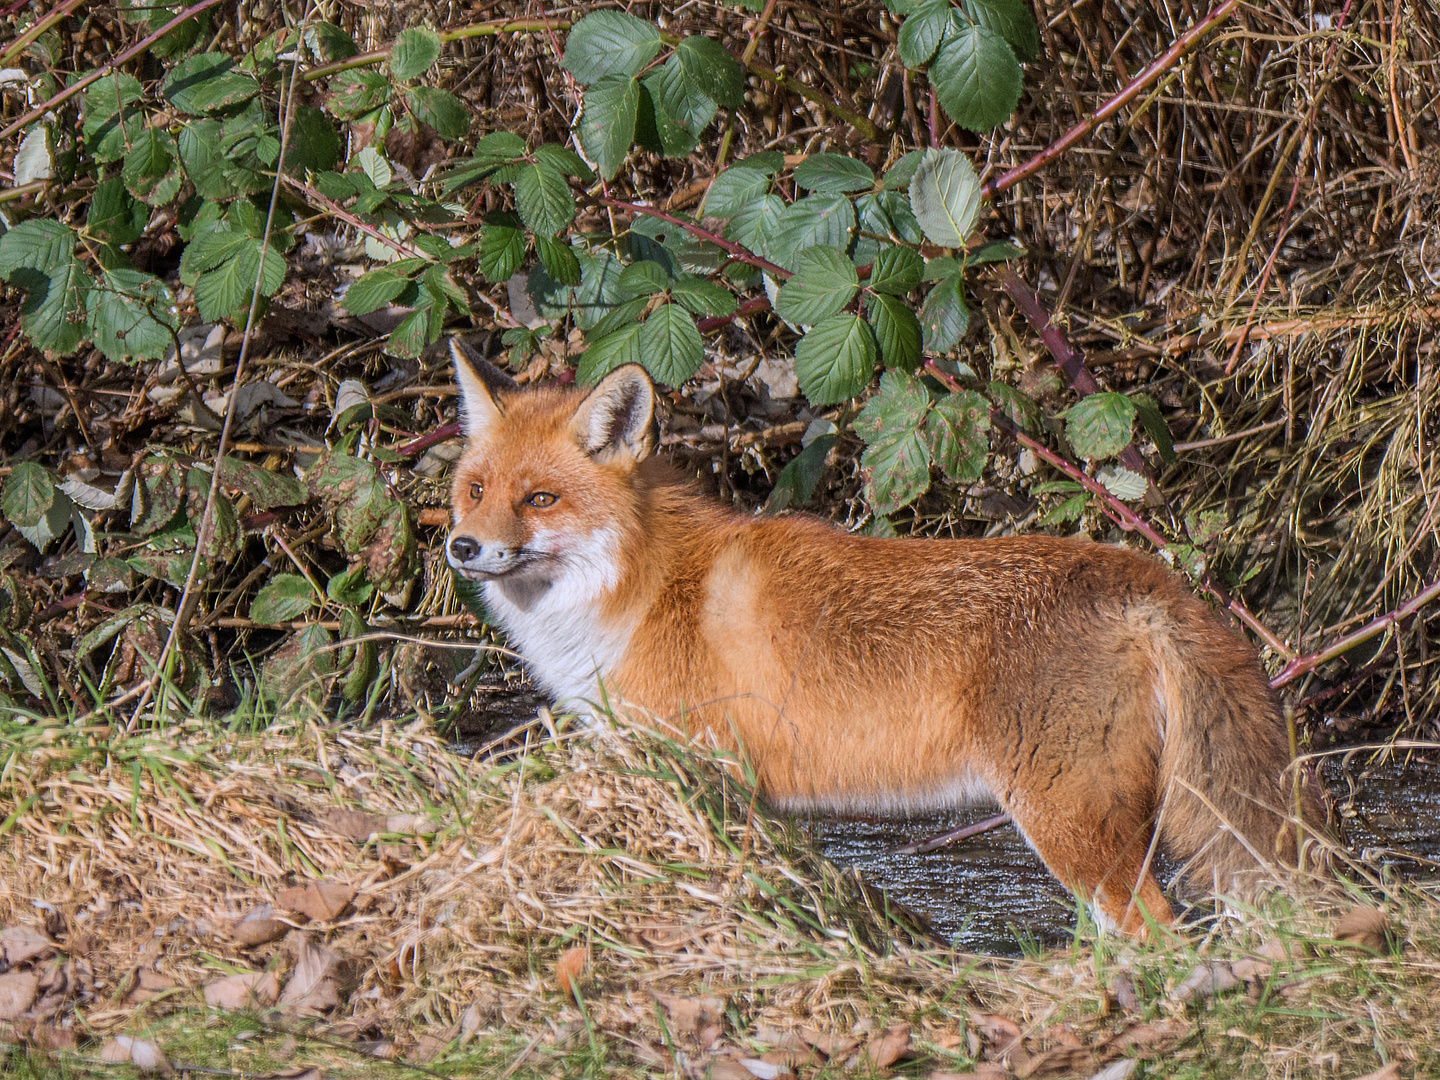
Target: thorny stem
(1301, 664)
(16, 47)
(697, 231)
(485, 29)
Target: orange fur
(1081, 686)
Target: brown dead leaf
(426, 1049)
(247, 988)
(47, 1038)
(1062, 1060)
(1389, 1072)
(999, 1032)
(318, 901)
(314, 986)
(17, 993)
(687, 1015)
(409, 824)
(570, 967)
(1152, 1039)
(793, 1058)
(832, 1046)
(889, 1046)
(355, 824)
(1205, 981)
(1250, 970)
(147, 1057)
(1122, 989)
(761, 1069)
(258, 926)
(148, 984)
(1364, 926)
(984, 1070)
(21, 943)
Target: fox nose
(464, 548)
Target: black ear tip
(465, 355)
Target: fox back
(1081, 686)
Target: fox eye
(543, 499)
(477, 491)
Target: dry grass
(642, 871)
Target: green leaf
(205, 84)
(835, 360)
(414, 52)
(107, 103)
(314, 143)
(229, 287)
(656, 129)
(679, 98)
(944, 318)
(205, 163)
(833, 174)
(1011, 19)
(1019, 406)
(266, 489)
(796, 484)
(703, 297)
(374, 290)
(670, 346)
(1121, 482)
(899, 175)
(29, 494)
(735, 191)
(37, 244)
(945, 194)
(39, 256)
(896, 271)
(1098, 426)
(607, 353)
(642, 278)
(752, 225)
(976, 78)
(1154, 423)
(1069, 510)
(995, 251)
(896, 460)
(897, 331)
(350, 587)
(355, 93)
(599, 292)
(607, 123)
(559, 261)
(563, 161)
(151, 170)
(711, 70)
(286, 597)
(921, 32)
(807, 222)
(544, 200)
(825, 281)
(957, 430)
(132, 315)
(114, 215)
(502, 246)
(329, 42)
(441, 109)
(609, 43)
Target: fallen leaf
(247, 988)
(148, 984)
(687, 1015)
(765, 1070)
(1248, 969)
(142, 1053)
(1389, 1072)
(708, 1068)
(1205, 981)
(257, 927)
(570, 967)
(17, 993)
(409, 823)
(1366, 927)
(832, 1046)
(47, 1038)
(1117, 1070)
(314, 986)
(1063, 1060)
(889, 1046)
(999, 1031)
(1122, 989)
(426, 1049)
(1150, 1039)
(355, 824)
(21, 943)
(792, 1058)
(985, 1070)
(317, 901)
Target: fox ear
(480, 382)
(615, 424)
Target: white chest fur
(556, 625)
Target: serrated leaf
(896, 271)
(678, 97)
(656, 130)
(131, 314)
(976, 78)
(606, 127)
(835, 360)
(944, 318)
(807, 222)
(1068, 510)
(957, 429)
(753, 223)
(670, 346)
(199, 144)
(607, 353)
(329, 42)
(266, 489)
(205, 84)
(609, 43)
(116, 216)
(349, 587)
(897, 331)
(833, 174)
(996, 251)
(559, 261)
(414, 52)
(151, 170)
(642, 278)
(1011, 19)
(899, 175)
(441, 109)
(355, 93)
(35, 160)
(703, 297)
(372, 163)
(502, 247)
(945, 195)
(921, 32)
(599, 292)
(1019, 406)
(29, 494)
(285, 597)
(544, 199)
(37, 244)
(1122, 482)
(824, 282)
(1098, 426)
(111, 122)
(796, 484)
(711, 70)
(229, 287)
(896, 458)
(52, 313)
(1154, 423)
(563, 160)
(374, 290)
(314, 144)
(735, 191)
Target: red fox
(1079, 685)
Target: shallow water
(991, 894)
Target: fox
(1081, 686)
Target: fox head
(544, 487)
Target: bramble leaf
(957, 430)
(945, 194)
(712, 70)
(897, 331)
(415, 51)
(833, 174)
(670, 346)
(835, 360)
(609, 43)
(824, 282)
(976, 78)
(1098, 425)
(896, 458)
(607, 123)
